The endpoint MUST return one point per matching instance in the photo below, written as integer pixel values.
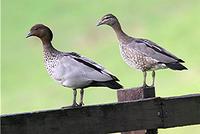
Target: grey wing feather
(151, 49)
(89, 64)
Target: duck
(142, 54)
(71, 69)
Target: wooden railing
(143, 114)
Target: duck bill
(99, 23)
(29, 35)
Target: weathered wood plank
(182, 111)
(88, 119)
(116, 117)
(135, 94)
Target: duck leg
(74, 104)
(145, 77)
(74, 99)
(153, 76)
(81, 97)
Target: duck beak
(99, 23)
(29, 35)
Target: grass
(25, 83)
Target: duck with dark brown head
(71, 69)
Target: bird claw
(72, 106)
(81, 104)
(145, 85)
(75, 105)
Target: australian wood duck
(142, 54)
(71, 69)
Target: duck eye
(36, 28)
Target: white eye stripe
(107, 17)
(104, 20)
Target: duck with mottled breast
(71, 69)
(142, 54)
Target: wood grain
(116, 117)
(136, 94)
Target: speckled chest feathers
(138, 60)
(50, 61)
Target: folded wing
(80, 70)
(154, 51)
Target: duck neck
(122, 37)
(48, 47)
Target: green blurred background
(26, 85)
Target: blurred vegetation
(26, 85)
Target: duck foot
(145, 85)
(152, 86)
(81, 104)
(72, 106)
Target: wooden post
(135, 94)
